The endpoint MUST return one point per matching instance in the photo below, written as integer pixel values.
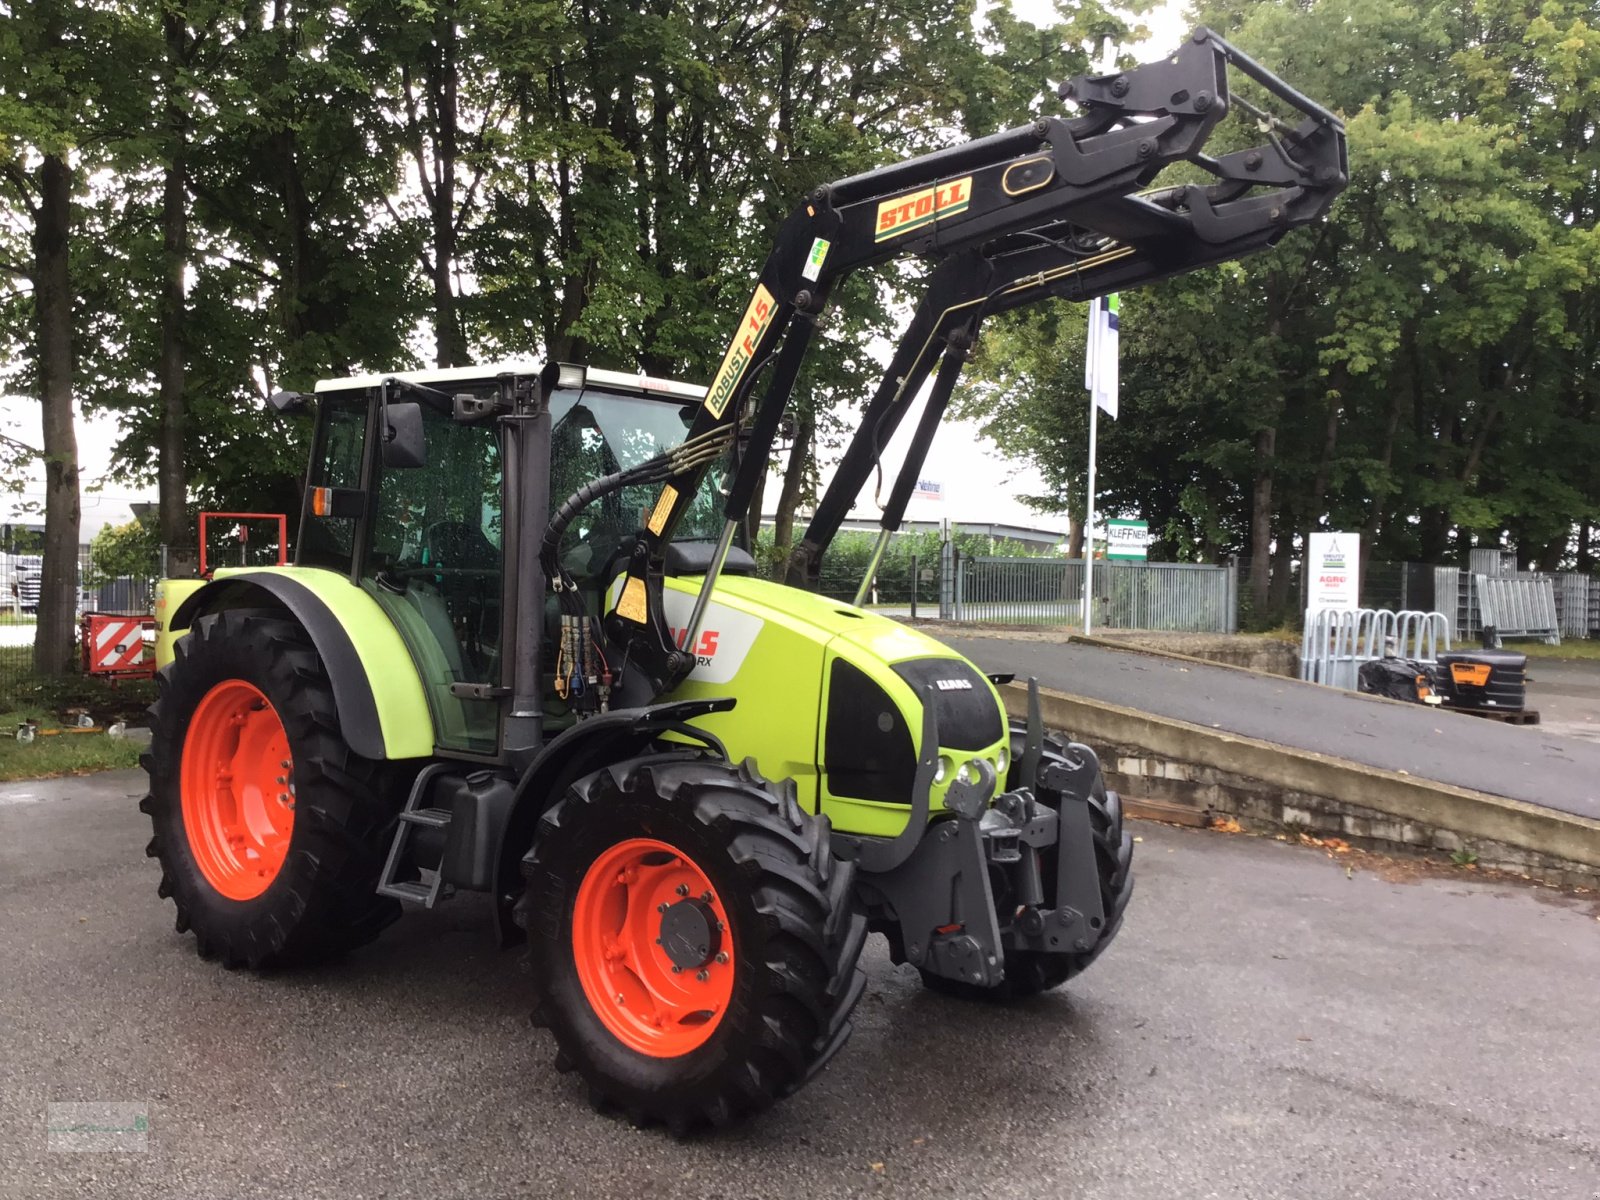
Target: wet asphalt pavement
(1531, 763)
(1265, 1026)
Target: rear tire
(303, 892)
(775, 983)
(1029, 972)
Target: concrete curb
(1089, 639)
(1533, 833)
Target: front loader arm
(1046, 209)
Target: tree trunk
(52, 296)
(794, 475)
(1261, 519)
(1074, 537)
(449, 350)
(172, 475)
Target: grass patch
(25, 696)
(1579, 648)
(62, 754)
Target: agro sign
(1126, 539)
(1335, 571)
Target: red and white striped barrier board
(114, 645)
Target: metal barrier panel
(1572, 604)
(1177, 597)
(1521, 606)
(1447, 598)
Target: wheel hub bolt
(702, 976)
(706, 896)
(683, 889)
(722, 957)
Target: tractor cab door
(434, 561)
(426, 544)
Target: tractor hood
(832, 696)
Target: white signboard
(928, 489)
(1335, 566)
(1126, 539)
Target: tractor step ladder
(412, 818)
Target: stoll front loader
(519, 651)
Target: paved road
(1567, 694)
(1265, 1027)
(1526, 763)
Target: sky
(979, 484)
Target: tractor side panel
(770, 661)
(369, 664)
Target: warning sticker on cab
(631, 606)
(658, 518)
(917, 210)
(737, 361)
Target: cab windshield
(595, 433)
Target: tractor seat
(694, 558)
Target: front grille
(969, 718)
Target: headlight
(1002, 763)
(965, 773)
(941, 770)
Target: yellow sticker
(632, 605)
(915, 210)
(734, 364)
(658, 518)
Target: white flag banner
(1100, 370)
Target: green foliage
(122, 551)
(1423, 366)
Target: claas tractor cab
(521, 651)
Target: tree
(56, 117)
(1421, 367)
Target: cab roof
(594, 376)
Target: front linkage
(1004, 880)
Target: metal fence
(19, 607)
(1179, 597)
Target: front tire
(270, 830)
(693, 941)
(1030, 972)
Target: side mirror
(286, 402)
(403, 442)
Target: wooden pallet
(1506, 716)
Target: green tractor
(521, 651)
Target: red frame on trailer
(244, 536)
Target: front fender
(577, 751)
(382, 709)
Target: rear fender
(383, 712)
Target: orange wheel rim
(237, 784)
(653, 947)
